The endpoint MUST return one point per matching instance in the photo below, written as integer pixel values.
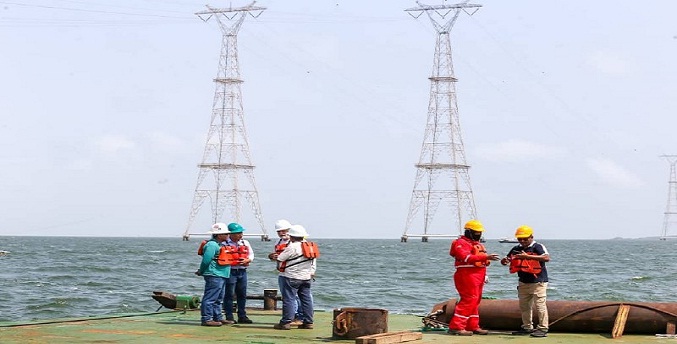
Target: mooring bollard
(270, 299)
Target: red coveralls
(471, 269)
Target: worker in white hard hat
(282, 228)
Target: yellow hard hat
(474, 225)
(523, 231)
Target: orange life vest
(309, 251)
(200, 250)
(238, 252)
(530, 266)
(462, 244)
(225, 255)
(280, 247)
(478, 249)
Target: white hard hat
(219, 228)
(297, 231)
(282, 225)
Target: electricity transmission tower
(226, 175)
(442, 178)
(671, 207)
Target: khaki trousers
(531, 294)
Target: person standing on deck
(528, 260)
(237, 283)
(215, 276)
(282, 228)
(296, 274)
(471, 261)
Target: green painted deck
(184, 327)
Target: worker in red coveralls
(471, 269)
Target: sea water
(56, 277)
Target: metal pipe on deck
(575, 316)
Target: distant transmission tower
(442, 177)
(671, 207)
(226, 175)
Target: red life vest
(530, 266)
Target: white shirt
(293, 254)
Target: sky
(565, 108)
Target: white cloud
(614, 174)
(608, 63)
(515, 150)
(112, 143)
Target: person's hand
(197, 273)
(272, 256)
(505, 261)
(493, 256)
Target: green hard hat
(235, 228)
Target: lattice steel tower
(442, 177)
(669, 219)
(226, 175)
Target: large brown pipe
(574, 316)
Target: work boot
(297, 322)
(244, 320)
(539, 334)
(523, 332)
(211, 323)
(459, 332)
(480, 331)
(279, 326)
(228, 321)
(306, 326)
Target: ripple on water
(401, 277)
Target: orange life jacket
(280, 247)
(530, 266)
(200, 250)
(476, 248)
(238, 252)
(225, 255)
(309, 251)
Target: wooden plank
(389, 338)
(619, 323)
(670, 328)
